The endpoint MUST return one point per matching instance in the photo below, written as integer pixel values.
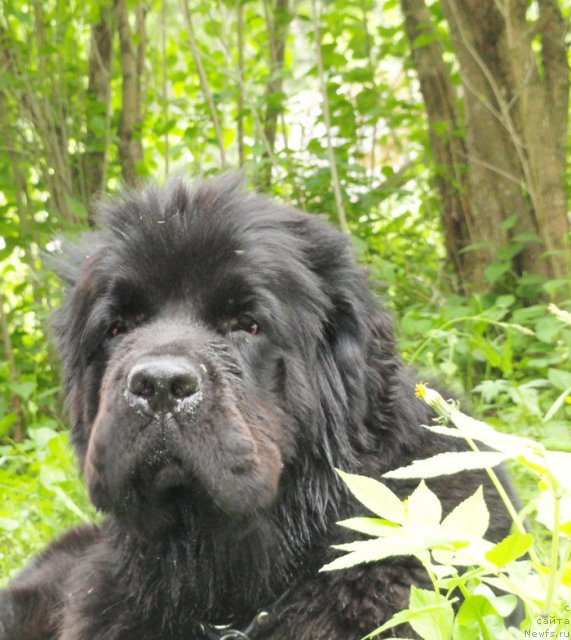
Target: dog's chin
(166, 499)
(170, 478)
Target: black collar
(253, 631)
(259, 626)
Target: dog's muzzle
(159, 385)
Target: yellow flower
(420, 391)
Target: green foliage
(514, 357)
(41, 495)
(492, 578)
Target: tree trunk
(98, 103)
(130, 147)
(515, 116)
(449, 151)
(278, 19)
(509, 100)
(240, 101)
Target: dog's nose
(162, 383)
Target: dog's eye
(120, 325)
(116, 329)
(245, 323)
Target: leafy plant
(454, 551)
(41, 495)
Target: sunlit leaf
(510, 548)
(444, 464)
(470, 519)
(375, 496)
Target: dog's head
(212, 342)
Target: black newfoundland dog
(222, 356)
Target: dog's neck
(217, 576)
(222, 571)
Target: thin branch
(164, 82)
(538, 26)
(141, 51)
(488, 165)
(240, 118)
(316, 17)
(374, 87)
(258, 128)
(54, 160)
(203, 80)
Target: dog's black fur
(222, 356)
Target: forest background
(435, 132)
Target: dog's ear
(67, 258)
(76, 265)
(355, 317)
(358, 333)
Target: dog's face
(192, 337)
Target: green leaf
(423, 507)
(42, 436)
(510, 548)
(51, 474)
(77, 207)
(444, 464)
(23, 389)
(470, 428)
(6, 423)
(434, 616)
(559, 402)
(490, 389)
(376, 496)
(8, 524)
(470, 519)
(490, 353)
(496, 271)
(546, 511)
(406, 543)
(509, 222)
(527, 236)
(424, 39)
(476, 246)
(70, 505)
(559, 379)
(370, 526)
(559, 464)
(429, 612)
(475, 619)
(505, 301)
(547, 329)
(507, 356)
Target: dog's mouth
(169, 476)
(161, 473)
(166, 488)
